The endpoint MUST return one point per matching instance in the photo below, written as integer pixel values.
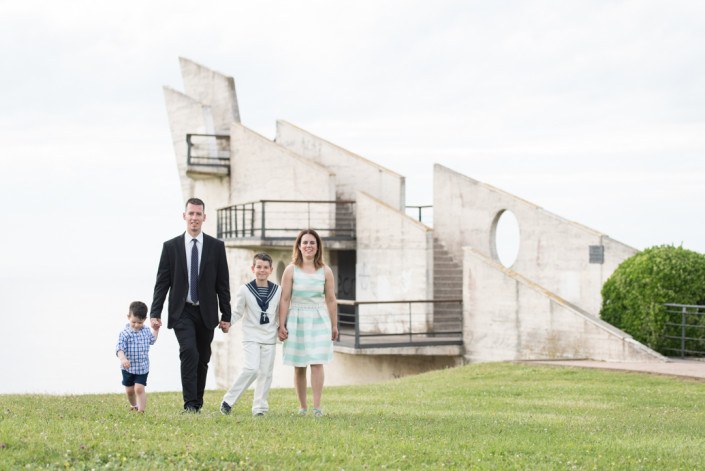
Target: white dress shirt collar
(188, 238)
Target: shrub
(633, 297)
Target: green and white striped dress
(308, 322)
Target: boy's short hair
(264, 256)
(138, 309)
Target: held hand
(282, 333)
(334, 333)
(125, 364)
(156, 323)
(224, 326)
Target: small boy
(133, 351)
(257, 303)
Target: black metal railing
(388, 324)
(684, 333)
(208, 150)
(283, 219)
(422, 214)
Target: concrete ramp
(214, 89)
(353, 172)
(508, 317)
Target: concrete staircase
(447, 284)
(344, 220)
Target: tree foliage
(633, 297)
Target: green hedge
(633, 297)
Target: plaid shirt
(136, 348)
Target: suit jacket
(213, 281)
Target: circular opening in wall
(505, 238)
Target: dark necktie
(194, 273)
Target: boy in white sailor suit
(257, 303)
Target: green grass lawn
(488, 416)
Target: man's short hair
(265, 257)
(138, 309)
(196, 202)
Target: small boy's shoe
(259, 414)
(225, 408)
(133, 408)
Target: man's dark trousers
(195, 352)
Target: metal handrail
(420, 209)
(411, 337)
(282, 219)
(211, 151)
(688, 331)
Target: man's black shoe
(225, 408)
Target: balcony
(277, 222)
(208, 155)
(397, 328)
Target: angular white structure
(413, 298)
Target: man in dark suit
(193, 269)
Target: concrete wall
(213, 89)
(187, 115)
(366, 369)
(263, 170)
(553, 252)
(352, 172)
(508, 317)
(394, 262)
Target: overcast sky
(594, 110)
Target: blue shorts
(129, 379)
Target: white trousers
(259, 363)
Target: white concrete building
(412, 297)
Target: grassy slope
(478, 416)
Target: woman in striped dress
(308, 316)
